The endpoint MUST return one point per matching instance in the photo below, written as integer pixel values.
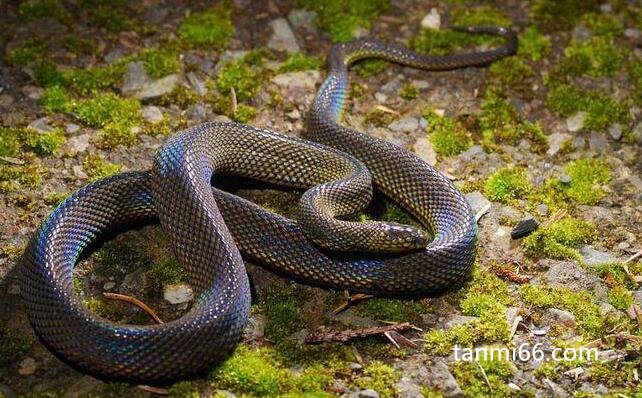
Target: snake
(211, 231)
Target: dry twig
(135, 301)
(324, 335)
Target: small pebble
(524, 228)
(615, 130)
(27, 367)
(565, 179)
(542, 209)
(178, 293)
(432, 20)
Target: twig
(633, 257)
(351, 300)
(233, 99)
(153, 390)
(135, 301)
(323, 335)
(620, 336)
(387, 110)
(483, 372)
(514, 326)
(507, 273)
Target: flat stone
(555, 142)
(615, 130)
(595, 257)
(432, 20)
(196, 83)
(41, 125)
(423, 148)
(78, 143)
(637, 133)
(407, 389)
(178, 293)
(282, 38)
(134, 282)
(569, 275)
(443, 380)
(152, 114)
(79, 172)
(637, 297)
(306, 79)
(135, 77)
(27, 367)
(83, 387)
(158, 87)
(575, 123)
(300, 18)
(71, 128)
(479, 203)
(369, 393)
(561, 316)
(197, 112)
(381, 97)
(565, 179)
(598, 142)
(542, 209)
(406, 125)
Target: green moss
(566, 99)
(30, 10)
(161, 62)
(96, 167)
(486, 297)
(283, 310)
(107, 108)
(587, 178)
(244, 113)
(560, 239)
(86, 81)
(379, 377)
(184, 389)
(13, 345)
(245, 79)
(371, 67)
(47, 74)
(113, 20)
(533, 45)
(104, 308)
(56, 99)
(299, 62)
(212, 29)
(479, 16)
(552, 15)
(342, 18)
(507, 184)
(44, 143)
(603, 24)
(15, 177)
(596, 57)
(511, 73)
(378, 117)
(28, 52)
(581, 304)
(80, 46)
(619, 282)
(634, 69)
(9, 142)
(181, 96)
(41, 394)
(447, 136)
(392, 310)
(165, 271)
(493, 382)
(118, 133)
(409, 91)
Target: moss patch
(212, 29)
(511, 73)
(552, 15)
(507, 184)
(96, 167)
(371, 67)
(560, 239)
(30, 10)
(161, 62)
(587, 178)
(379, 377)
(533, 44)
(493, 382)
(56, 99)
(300, 62)
(115, 115)
(29, 51)
(342, 18)
(283, 311)
(447, 136)
(596, 57)
(409, 91)
(393, 310)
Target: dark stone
(524, 228)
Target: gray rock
(6, 391)
(637, 297)
(575, 123)
(302, 19)
(83, 387)
(542, 209)
(579, 142)
(474, 152)
(615, 130)
(595, 257)
(114, 55)
(380, 97)
(134, 282)
(79, 172)
(637, 133)
(568, 274)
(607, 309)
(71, 128)
(196, 83)
(423, 123)
(407, 389)
(355, 366)
(41, 125)
(561, 316)
(406, 125)
(633, 33)
(455, 320)
(156, 14)
(178, 293)
(423, 148)
(443, 380)
(135, 77)
(479, 203)
(369, 393)
(297, 80)
(255, 328)
(152, 114)
(432, 20)
(197, 112)
(565, 179)
(555, 142)
(158, 87)
(77, 144)
(598, 142)
(282, 38)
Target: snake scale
(209, 228)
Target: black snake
(209, 228)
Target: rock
(607, 309)
(297, 80)
(108, 286)
(302, 19)
(615, 130)
(637, 133)
(455, 320)
(71, 128)
(595, 257)
(255, 328)
(637, 297)
(561, 316)
(423, 148)
(380, 97)
(158, 87)
(633, 33)
(156, 14)
(369, 393)
(597, 142)
(542, 209)
(423, 123)
(83, 387)
(79, 172)
(135, 77)
(6, 391)
(432, 20)
(479, 203)
(224, 393)
(355, 366)
(294, 114)
(575, 122)
(178, 293)
(197, 112)
(565, 179)
(114, 55)
(196, 83)
(579, 142)
(41, 125)
(77, 144)
(568, 274)
(406, 125)
(134, 282)
(444, 381)
(27, 367)
(555, 142)
(556, 390)
(152, 114)
(407, 389)
(282, 38)
(524, 228)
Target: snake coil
(209, 228)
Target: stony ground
(549, 138)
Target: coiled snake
(209, 228)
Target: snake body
(210, 228)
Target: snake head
(398, 238)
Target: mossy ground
(573, 57)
